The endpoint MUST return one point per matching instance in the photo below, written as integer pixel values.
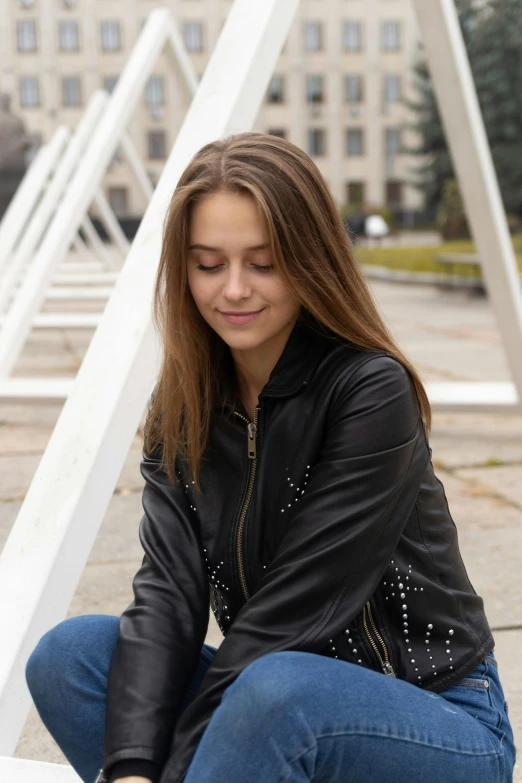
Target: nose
(236, 285)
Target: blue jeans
(290, 717)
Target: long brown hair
(310, 249)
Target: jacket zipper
(385, 664)
(252, 456)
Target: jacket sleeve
(340, 537)
(163, 630)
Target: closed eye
(218, 266)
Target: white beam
(49, 543)
(95, 278)
(84, 185)
(110, 221)
(61, 321)
(29, 191)
(81, 267)
(78, 292)
(82, 248)
(466, 136)
(55, 190)
(31, 390)
(474, 397)
(136, 166)
(23, 771)
(97, 243)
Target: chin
(244, 342)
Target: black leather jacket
(321, 527)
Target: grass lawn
(424, 259)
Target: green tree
(493, 38)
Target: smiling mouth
(247, 312)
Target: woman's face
(229, 272)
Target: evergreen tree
(493, 39)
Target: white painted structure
(29, 192)
(467, 140)
(50, 200)
(84, 186)
(58, 522)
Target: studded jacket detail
(321, 527)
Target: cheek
(200, 288)
(279, 295)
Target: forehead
(222, 217)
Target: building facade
(336, 91)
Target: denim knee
(266, 685)
(47, 659)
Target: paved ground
(477, 457)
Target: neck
(253, 366)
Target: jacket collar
(307, 344)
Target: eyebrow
(220, 249)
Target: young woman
(288, 483)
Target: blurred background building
(337, 90)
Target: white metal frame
(29, 192)
(58, 522)
(465, 132)
(52, 196)
(84, 187)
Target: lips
(240, 318)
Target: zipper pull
(388, 669)
(252, 448)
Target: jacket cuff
(138, 767)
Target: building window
(394, 193)
(118, 199)
(391, 36)
(280, 132)
(26, 36)
(353, 88)
(392, 88)
(110, 32)
(352, 36)
(29, 91)
(392, 141)
(155, 95)
(71, 91)
(109, 83)
(314, 89)
(276, 89)
(193, 36)
(354, 142)
(316, 141)
(157, 143)
(313, 36)
(68, 36)
(356, 193)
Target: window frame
(154, 135)
(66, 82)
(71, 24)
(107, 25)
(352, 24)
(22, 35)
(317, 133)
(351, 133)
(386, 39)
(23, 82)
(193, 24)
(308, 26)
